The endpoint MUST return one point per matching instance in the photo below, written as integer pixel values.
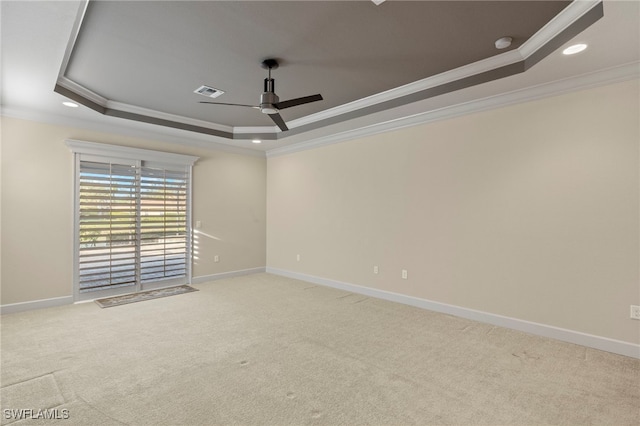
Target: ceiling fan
(269, 102)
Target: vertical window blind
(132, 218)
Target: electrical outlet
(375, 269)
(635, 312)
(297, 258)
(404, 274)
(216, 258)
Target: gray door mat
(143, 295)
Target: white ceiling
(35, 36)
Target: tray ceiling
(143, 60)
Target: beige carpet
(268, 350)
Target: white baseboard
(565, 335)
(213, 277)
(35, 304)
(68, 300)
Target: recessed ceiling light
(70, 104)
(378, 2)
(576, 48)
(256, 141)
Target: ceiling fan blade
(298, 101)
(221, 103)
(279, 121)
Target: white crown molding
(598, 78)
(559, 23)
(134, 129)
(75, 31)
(456, 74)
(184, 138)
(132, 109)
(248, 130)
(82, 91)
(552, 332)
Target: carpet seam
(27, 380)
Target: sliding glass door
(132, 225)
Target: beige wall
(229, 199)
(529, 211)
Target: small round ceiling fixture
(576, 48)
(503, 43)
(70, 104)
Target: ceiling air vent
(211, 92)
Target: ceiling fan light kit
(270, 102)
